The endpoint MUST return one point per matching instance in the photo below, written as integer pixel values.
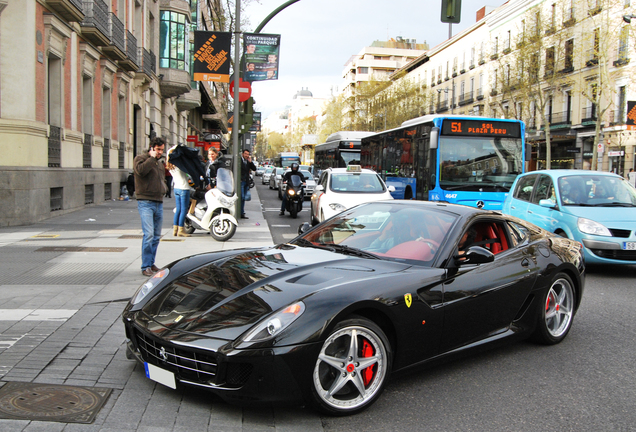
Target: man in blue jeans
(150, 187)
(246, 166)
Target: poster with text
(261, 56)
(212, 56)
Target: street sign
(245, 90)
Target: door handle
(513, 207)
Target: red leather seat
(415, 250)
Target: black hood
(225, 298)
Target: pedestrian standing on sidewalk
(150, 187)
(181, 196)
(246, 166)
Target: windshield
(225, 181)
(358, 183)
(479, 164)
(350, 157)
(597, 191)
(295, 181)
(387, 231)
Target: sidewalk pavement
(63, 285)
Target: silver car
(267, 174)
(275, 178)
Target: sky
(319, 36)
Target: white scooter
(216, 214)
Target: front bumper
(608, 252)
(239, 376)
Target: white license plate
(629, 245)
(161, 376)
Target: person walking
(181, 195)
(631, 177)
(246, 167)
(150, 187)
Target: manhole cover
(51, 402)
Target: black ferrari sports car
(328, 317)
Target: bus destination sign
(481, 128)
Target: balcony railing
(70, 10)
(588, 114)
(130, 62)
(442, 106)
(148, 61)
(95, 23)
(592, 57)
(465, 98)
(117, 32)
(560, 119)
(480, 93)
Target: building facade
(563, 67)
(84, 85)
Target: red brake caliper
(367, 351)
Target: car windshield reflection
(385, 230)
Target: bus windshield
(350, 157)
(479, 163)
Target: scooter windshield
(225, 181)
(295, 181)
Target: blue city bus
(451, 158)
(286, 159)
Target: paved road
(60, 323)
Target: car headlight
(588, 226)
(150, 285)
(337, 207)
(275, 324)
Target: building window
(173, 42)
(363, 70)
(549, 61)
(569, 55)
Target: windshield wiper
(353, 251)
(614, 204)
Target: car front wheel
(352, 368)
(557, 311)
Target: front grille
(622, 255)
(620, 233)
(186, 364)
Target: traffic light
(247, 113)
(451, 11)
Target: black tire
(187, 226)
(314, 221)
(223, 230)
(556, 311)
(293, 211)
(359, 371)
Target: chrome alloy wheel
(559, 307)
(350, 369)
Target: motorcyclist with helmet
(295, 171)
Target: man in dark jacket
(150, 187)
(286, 178)
(246, 167)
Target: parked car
(260, 170)
(275, 178)
(595, 208)
(267, 174)
(326, 318)
(341, 188)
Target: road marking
(280, 226)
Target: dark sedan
(328, 317)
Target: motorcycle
(295, 196)
(216, 213)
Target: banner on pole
(261, 56)
(212, 56)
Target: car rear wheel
(352, 368)
(557, 311)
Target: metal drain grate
(131, 237)
(51, 402)
(79, 249)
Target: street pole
(236, 157)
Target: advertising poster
(261, 56)
(631, 115)
(212, 56)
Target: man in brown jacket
(150, 187)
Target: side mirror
(319, 188)
(548, 203)
(391, 188)
(302, 229)
(475, 255)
